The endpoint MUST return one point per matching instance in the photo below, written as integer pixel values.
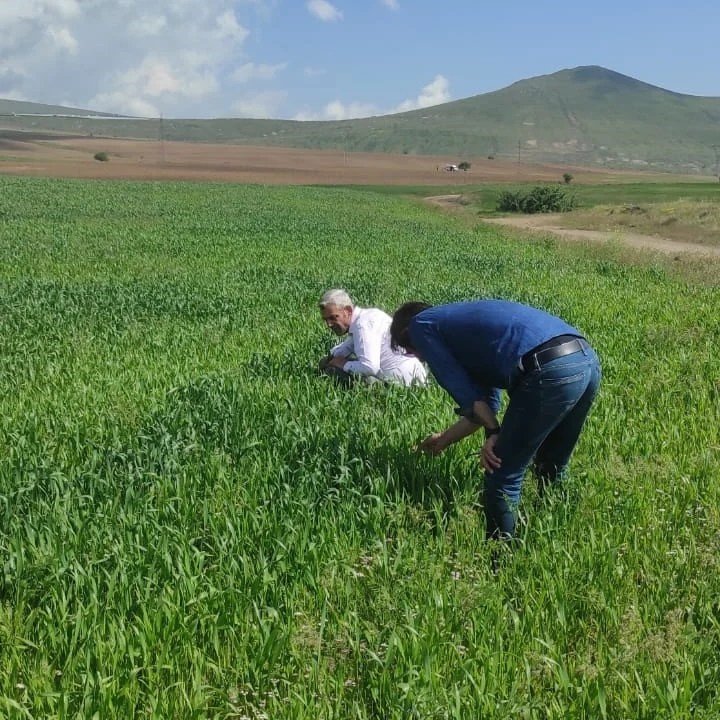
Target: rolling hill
(582, 116)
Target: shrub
(539, 199)
(464, 165)
(101, 156)
(567, 177)
(509, 201)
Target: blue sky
(335, 59)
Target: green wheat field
(193, 524)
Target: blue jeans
(542, 423)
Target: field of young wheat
(195, 525)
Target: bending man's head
(336, 309)
(399, 329)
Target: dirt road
(550, 224)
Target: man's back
(370, 332)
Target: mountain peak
(600, 77)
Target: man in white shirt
(366, 352)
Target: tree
(567, 177)
(464, 165)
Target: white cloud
(124, 104)
(16, 10)
(323, 10)
(155, 82)
(11, 95)
(148, 25)
(251, 71)
(262, 8)
(259, 105)
(64, 8)
(63, 39)
(337, 110)
(126, 56)
(9, 80)
(153, 78)
(434, 93)
(181, 58)
(228, 26)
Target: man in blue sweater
(549, 370)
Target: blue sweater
(474, 347)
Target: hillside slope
(584, 116)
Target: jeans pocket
(519, 379)
(557, 381)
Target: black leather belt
(550, 350)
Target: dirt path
(548, 224)
(446, 201)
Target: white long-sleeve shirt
(369, 339)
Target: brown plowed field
(42, 154)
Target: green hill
(584, 116)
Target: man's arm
(343, 349)
(478, 405)
(483, 416)
(367, 335)
(435, 443)
(449, 373)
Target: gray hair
(336, 297)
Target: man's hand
(490, 460)
(433, 444)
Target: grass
(693, 221)
(685, 212)
(194, 525)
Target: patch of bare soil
(48, 155)
(446, 201)
(547, 224)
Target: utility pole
(346, 143)
(716, 148)
(162, 141)
(519, 144)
